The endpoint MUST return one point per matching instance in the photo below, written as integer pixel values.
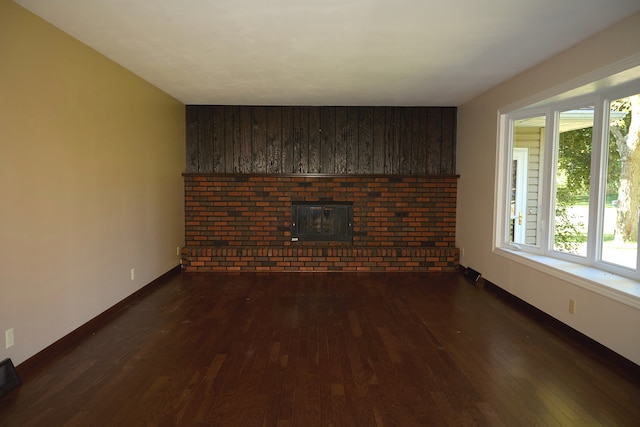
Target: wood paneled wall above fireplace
(327, 140)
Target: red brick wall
(229, 217)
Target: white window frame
(590, 270)
(520, 213)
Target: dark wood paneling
(206, 138)
(419, 141)
(448, 153)
(391, 152)
(229, 121)
(300, 140)
(342, 140)
(315, 136)
(244, 160)
(352, 141)
(328, 140)
(403, 138)
(287, 132)
(218, 148)
(365, 140)
(192, 149)
(434, 142)
(379, 127)
(259, 143)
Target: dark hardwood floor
(326, 350)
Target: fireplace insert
(322, 221)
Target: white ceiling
(329, 52)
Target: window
(528, 146)
(571, 172)
(572, 180)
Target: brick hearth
(242, 223)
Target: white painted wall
(614, 324)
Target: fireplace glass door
(314, 221)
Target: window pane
(620, 231)
(525, 200)
(572, 181)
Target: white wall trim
(614, 74)
(617, 288)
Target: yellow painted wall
(612, 323)
(91, 158)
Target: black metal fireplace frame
(338, 229)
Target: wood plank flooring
(327, 350)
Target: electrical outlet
(133, 274)
(572, 307)
(461, 251)
(8, 338)
(178, 250)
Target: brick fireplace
(242, 222)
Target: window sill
(618, 288)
